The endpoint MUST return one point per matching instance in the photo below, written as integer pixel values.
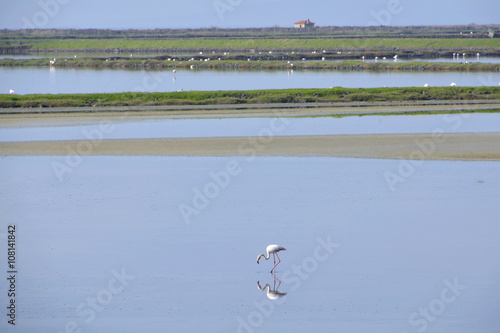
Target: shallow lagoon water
(184, 128)
(432, 243)
(71, 80)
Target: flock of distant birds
(456, 56)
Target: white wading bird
(11, 92)
(274, 249)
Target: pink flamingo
(274, 249)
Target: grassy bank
(254, 64)
(226, 44)
(252, 97)
(451, 31)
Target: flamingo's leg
(274, 259)
(279, 283)
(279, 260)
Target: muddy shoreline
(456, 146)
(39, 116)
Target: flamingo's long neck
(267, 286)
(262, 255)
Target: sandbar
(425, 146)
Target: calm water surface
(114, 247)
(182, 128)
(71, 80)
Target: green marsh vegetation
(330, 38)
(332, 95)
(233, 62)
(257, 48)
(267, 44)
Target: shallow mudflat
(258, 131)
(452, 146)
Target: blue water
(181, 128)
(70, 80)
(360, 257)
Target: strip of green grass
(252, 97)
(152, 63)
(273, 44)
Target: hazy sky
(120, 14)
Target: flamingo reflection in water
(272, 294)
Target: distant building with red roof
(304, 24)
